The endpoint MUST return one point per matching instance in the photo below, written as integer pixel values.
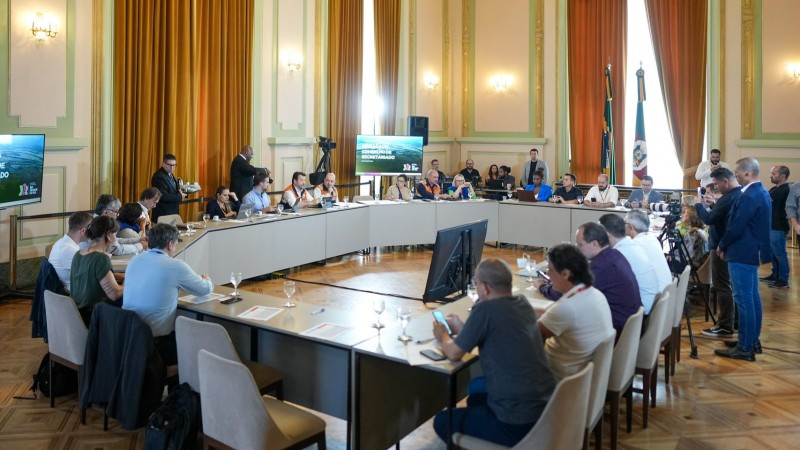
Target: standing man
(327, 188)
(152, 281)
(471, 174)
(435, 166)
(793, 209)
(602, 195)
(296, 192)
(258, 196)
(171, 195)
(745, 247)
(242, 172)
(704, 169)
(714, 212)
(531, 167)
(503, 327)
(779, 278)
(645, 196)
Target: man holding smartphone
(503, 326)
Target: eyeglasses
(115, 211)
(171, 165)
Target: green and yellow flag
(607, 160)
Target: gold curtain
(224, 100)
(387, 62)
(345, 34)
(597, 33)
(678, 29)
(154, 92)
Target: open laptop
(526, 196)
(172, 219)
(243, 208)
(495, 184)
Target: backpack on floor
(65, 380)
(173, 426)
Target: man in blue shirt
(152, 281)
(258, 196)
(745, 247)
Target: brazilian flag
(607, 159)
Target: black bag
(173, 426)
(65, 380)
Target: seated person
(602, 195)
(644, 197)
(567, 193)
(399, 191)
(461, 190)
(223, 207)
(258, 196)
(581, 318)
(109, 206)
(327, 188)
(494, 172)
(429, 187)
(504, 174)
(131, 223)
(153, 280)
(543, 191)
(65, 248)
(296, 192)
(684, 225)
(470, 173)
(637, 227)
(91, 278)
(148, 200)
(503, 327)
(696, 240)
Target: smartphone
(593, 199)
(432, 354)
(440, 318)
(231, 300)
(544, 275)
(701, 190)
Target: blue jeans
(744, 281)
(780, 261)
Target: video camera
(326, 144)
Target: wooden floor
(710, 403)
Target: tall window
(662, 162)
(371, 105)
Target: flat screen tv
(21, 167)
(456, 254)
(388, 155)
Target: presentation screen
(21, 166)
(388, 155)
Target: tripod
(679, 258)
(323, 167)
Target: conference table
(332, 360)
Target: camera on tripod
(326, 144)
(324, 166)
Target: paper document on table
(540, 303)
(195, 300)
(326, 330)
(237, 221)
(260, 313)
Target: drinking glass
(236, 278)
(279, 208)
(247, 213)
(206, 216)
(346, 200)
(288, 288)
(472, 293)
(529, 266)
(378, 306)
(403, 315)
(189, 228)
(580, 199)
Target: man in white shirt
(296, 192)
(642, 267)
(602, 195)
(148, 200)
(704, 169)
(637, 225)
(327, 188)
(65, 248)
(257, 196)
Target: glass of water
(289, 288)
(279, 208)
(378, 306)
(529, 266)
(346, 200)
(247, 213)
(206, 216)
(404, 316)
(236, 278)
(472, 293)
(189, 228)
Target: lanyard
(574, 293)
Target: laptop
(526, 196)
(243, 208)
(172, 219)
(495, 184)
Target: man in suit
(530, 168)
(745, 246)
(166, 183)
(242, 172)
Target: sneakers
(734, 344)
(779, 284)
(768, 279)
(735, 353)
(717, 332)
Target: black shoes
(735, 353)
(735, 344)
(718, 332)
(780, 284)
(768, 279)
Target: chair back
(623, 360)
(602, 366)
(362, 198)
(233, 411)
(562, 422)
(666, 327)
(704, 271)
(650, 343)
(66, 330)
(191, 336)
(680, 295)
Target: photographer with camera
(714, 212)
(705, 168)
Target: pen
(424, 341)
(318, 311)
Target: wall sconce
(794, 69)
(42, 28)
(431, 81)
(501, 83)
(294, 62)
